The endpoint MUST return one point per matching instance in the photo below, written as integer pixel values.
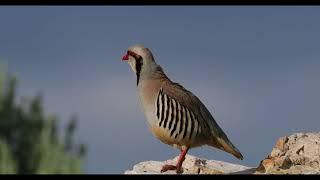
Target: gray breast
(178, 120)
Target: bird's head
(140, 59)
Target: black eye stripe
(139, 63)
(134, 55)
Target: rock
(192, 165)
(296, 154)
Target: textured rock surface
(192, 165)
(295, 154)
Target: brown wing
(208, 123)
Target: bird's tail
(226, 146)
(230, 148)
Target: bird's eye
(131, 53)
(136, 56)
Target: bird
(174, 114)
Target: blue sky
(256, 67)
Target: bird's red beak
(125, 57)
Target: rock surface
(192, 165)
(295, 154)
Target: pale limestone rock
(192, 165)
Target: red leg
(178, 167)
(181, 159)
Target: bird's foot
(168, 167)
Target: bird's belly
(163, 134)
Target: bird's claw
(168, 167)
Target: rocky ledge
(295, 154)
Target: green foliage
(29, 142)
(7, 164)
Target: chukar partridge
(175, 115)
